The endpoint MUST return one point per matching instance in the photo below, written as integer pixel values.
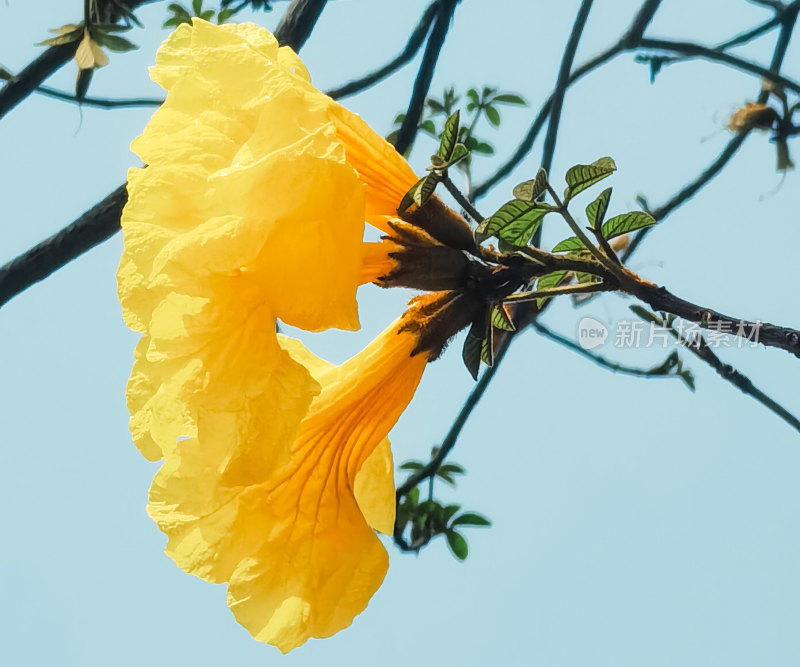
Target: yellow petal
(374, 483)
(322, 563)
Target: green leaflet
(596, 211)
(582, 176)
(625, 223)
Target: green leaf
(419, 193)
(471, 354)
(509, 98)
(428, 126)
(82, 83)
(531, 190)
(625, 223)
(207, 15)
(178, 10)
(452, 469)
(411, 465)
(501, 320)
(596, 211)
(473, 96)
(515, 211)
(111, 27)
(434, 105)
(67, 28)
(114, 42)
(459, 153)
(449, 511)
(487, 351)
(572, 244)
(492, 114)
(66, 38)
(449, 137)
(582, 176)
(483, 148)
(413, 496)
(471, 519)
(457, 544)
(645, 314)
(197, 7)
(548, 281)
(446, 477)
(520, 232)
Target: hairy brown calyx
(461, 283)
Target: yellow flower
(252, 209)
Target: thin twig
(102, 103)
(455, 429)
(422, 84)
(600, 360)
(465, 203)
(413, 45)
(692, 50)
(701, 349)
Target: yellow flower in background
(252, 209)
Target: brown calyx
(442, 223)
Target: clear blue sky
(635, 523)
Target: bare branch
(422, 84)
(698, 51)
(297, 23)
(95, 226)
(102, 103)
(615, 367)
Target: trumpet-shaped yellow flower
(252, 209)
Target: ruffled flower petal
(252, 209)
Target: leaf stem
(460, 198)
(576, 228)
(589, 288)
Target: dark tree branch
(698, 51)
(662, 300)
(297, 23)
(29, 79)
(422, 84)
(95, 226)
(412, 46)
(727, 372)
